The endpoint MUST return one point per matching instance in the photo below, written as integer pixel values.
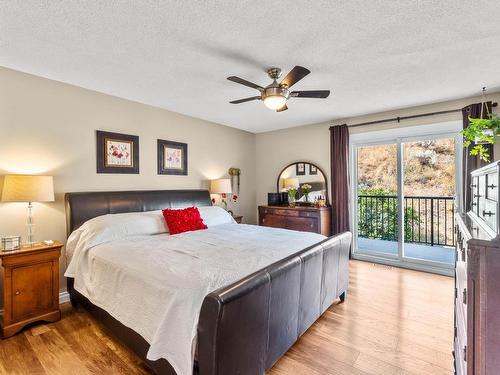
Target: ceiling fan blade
(242, 81)
(294, 76)
(284, 108)
(245, 100)
(320, 94)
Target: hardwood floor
(394, 321)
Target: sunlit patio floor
(424, 252)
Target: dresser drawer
(281, 211)
(460, 364)
(309, 214)
(474, 195)
(488, 212)
(491, 186)
(304, 224)
(275, 221)
(306, 219)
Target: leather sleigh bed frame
(243, 328)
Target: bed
(243, 327)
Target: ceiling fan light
(274, 102)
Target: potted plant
(481, 132)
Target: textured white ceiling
(374, 55)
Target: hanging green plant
(481, 132)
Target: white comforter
(156, 284)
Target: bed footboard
(246, 327)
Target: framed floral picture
(172, 158)
(117, 153)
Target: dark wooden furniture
(303, 218)
(30, 286)
(245, 327)
(477, 281)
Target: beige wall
(47, 127)
(311, 143)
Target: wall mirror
(300, 173)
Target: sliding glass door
(429, 191)
(377, 206)
(404, 193)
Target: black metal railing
(428, 220)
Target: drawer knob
(489, 213)
(477, 195)
(17, 293)
(492, 186)
(264, 220)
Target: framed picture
(313, 169)
(300, 169)
(172, 158)
(117, 153)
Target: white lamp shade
(220, 186)
(26, 188)
(291, 182)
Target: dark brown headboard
(84, 206)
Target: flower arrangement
(306, 189)
(481, 132)
(292, 192)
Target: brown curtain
(472, 162)
(339, 164)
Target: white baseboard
(63, 297)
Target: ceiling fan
(276, 94)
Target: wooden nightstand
(238, 218)
(30, 286)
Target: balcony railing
(428, 220)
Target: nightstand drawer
(32, 290)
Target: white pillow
(112, 227)
(214, 215)
(108, 228)
(312, 196)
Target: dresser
(303, 218)
(477, 278)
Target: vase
(291, 200)
(306, 198)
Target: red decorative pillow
(183, 220)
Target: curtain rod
(399, 118)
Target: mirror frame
(307, 162)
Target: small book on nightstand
(30, 286)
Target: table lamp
(221, 186)
(28, 188)
(292, 182)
